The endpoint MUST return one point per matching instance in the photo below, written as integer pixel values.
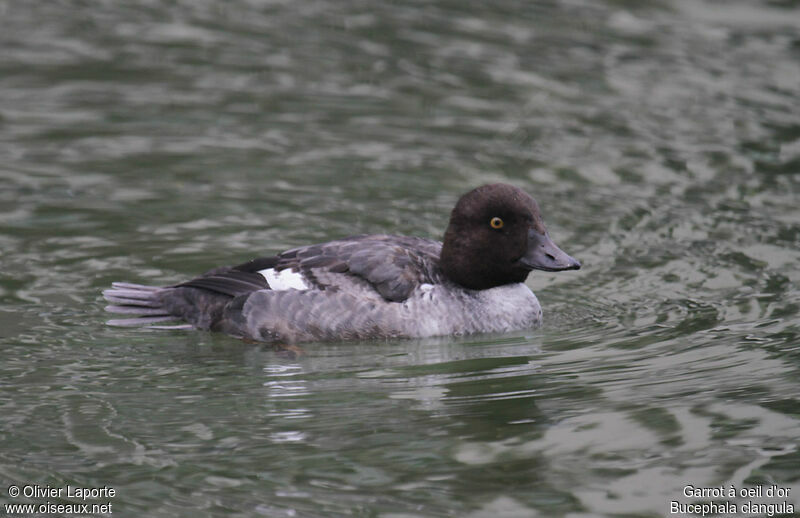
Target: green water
(151, 141)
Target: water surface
(151, 141)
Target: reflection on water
(152, 141)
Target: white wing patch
(284, 279)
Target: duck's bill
(543, 254)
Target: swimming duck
(371, 286)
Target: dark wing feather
(234, 281)
(257, 264)
(231, 282)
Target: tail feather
(125, 301)
(142, 303)
(139, 321)
(136, 310)
(130, 294)
(132, 286)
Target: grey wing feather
(393, 265)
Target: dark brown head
(496, 236)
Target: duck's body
(376, 286)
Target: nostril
(549, 256)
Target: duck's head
(496, 236)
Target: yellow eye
(496, 222)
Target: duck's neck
(469, 264)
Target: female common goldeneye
(372, 286)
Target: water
(151, 141)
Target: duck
(371, 287)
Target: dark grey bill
(543, 254)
